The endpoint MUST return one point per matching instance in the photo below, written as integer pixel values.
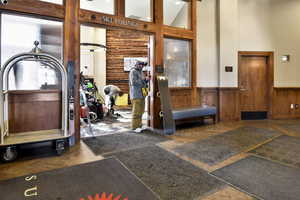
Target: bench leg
(214, 119)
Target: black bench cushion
(194, 112)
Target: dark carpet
(107, 144)
(82, 182)
(265, 179)
(218, 148)
(285, 149)
(167, 175)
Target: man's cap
(141, 63)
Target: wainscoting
(181, 97)
(282, 100)
(228, 102)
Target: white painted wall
(97, 59)
(174, 9)
(255, 25)
(207, 47)
(250, 25)
(140, 10)
(182, 18)
(286, 36)
(100, 59)
(228, 42)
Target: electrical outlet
(296, 106)
(292, 106)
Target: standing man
(138, 86)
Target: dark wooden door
(253, 83)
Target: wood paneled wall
(181, 97)
(34, 110)
(208, 96)
(225, 99)
(228, 102)
(123, 43)
(282, 100)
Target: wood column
(195, 101)
(120, 8)
(156, 122)
(72, 52)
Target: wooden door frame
(150, 34)
(270, 75)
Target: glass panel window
(102, 6)
(177, 62)
(177, 13)
(50, 36)
(140, 10)
(60, 2)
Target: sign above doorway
(124, 22)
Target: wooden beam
(120, 8)
(174, 32)
(72, 52)
(86, 16)
(194, 51)
(35, 7)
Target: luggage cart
(10, 142)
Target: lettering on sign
(33, 190)
(124, 22)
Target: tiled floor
(82, 154)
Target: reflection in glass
(60, 2)
(102, 6)
(18, 35)
(29, 75)
(177, 13)
(177, 62)
(140, 10)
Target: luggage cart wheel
(60, 147)
(9, 154)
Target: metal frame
(4, 88)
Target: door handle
(243, 89)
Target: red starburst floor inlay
(104, 197)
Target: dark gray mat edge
(248, 157)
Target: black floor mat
(265, 179)
(167, 175)
(284, 149)
(218, 148)
(82, 182)
(122, 141)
